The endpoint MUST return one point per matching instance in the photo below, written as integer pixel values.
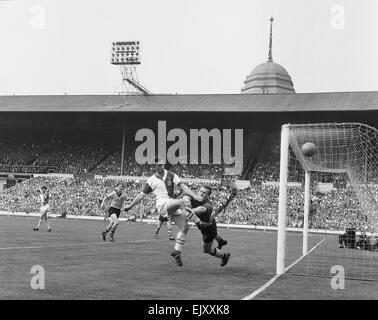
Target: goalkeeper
(203, 210)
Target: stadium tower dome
(268, 77)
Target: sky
(187, 46)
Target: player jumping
(117, 200)
(204, 211)
(162, 184)
(190, 203)
(44, 197)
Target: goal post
(306, 212)
(341, 175)
(281, 233)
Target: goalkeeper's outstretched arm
(199, 211)
(225, 204)
(194, 215)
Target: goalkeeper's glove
(199, 225)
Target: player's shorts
(209, 232)
(162, 209)
(180, 221)
(115, 211)
(163, 219)
(45, 208)
(178, 217)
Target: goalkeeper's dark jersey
(204, 216)
(209, 230)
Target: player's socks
(170, 236)
(108, 228)
(112, 233)
(177, 255)
(225, 258)
(103, 233)
(180, 241)
(157, 230)
(113, 229)
(221, 243)
(217, 253)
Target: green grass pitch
(79, 265)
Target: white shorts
(45, 208)
(162, 209)
(178, 217)
(180, 221)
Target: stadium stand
(257, 205)
(100, 154)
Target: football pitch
(78, 264)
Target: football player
(44, 198)
(118, 198)
(162, 184)
(203, 210)
(169, 227)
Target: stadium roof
(280, 102)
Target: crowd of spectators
(70, 152)
(256, 205)
(82, 196)
(62, 157)
(68, 158)
(18, 157)
(268, 164)
(331, 210)
(68, 195)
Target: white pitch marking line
(77, 244)
(271, 281)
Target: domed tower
(268, 77)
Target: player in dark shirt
(203, 210)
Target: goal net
(332, 197)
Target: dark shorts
(209, 232)
(163, 219)
(115, 211)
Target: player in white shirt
(162, 184)
(44, 197)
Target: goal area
(332, 195)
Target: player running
(44, 197)
(203, 210)
(118, 198)
(162, 184)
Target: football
(308, 149)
